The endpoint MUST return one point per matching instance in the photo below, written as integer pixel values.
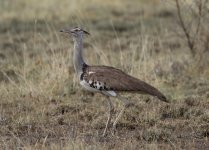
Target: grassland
(42, 105)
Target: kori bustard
(106, 80)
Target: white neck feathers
(77, 56)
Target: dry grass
(42, 105)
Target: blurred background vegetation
(165, 43)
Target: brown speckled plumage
(117, 80)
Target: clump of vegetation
(194, 20)
(43, 107)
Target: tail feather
(148, 89)
(162, 97)
(155, 92)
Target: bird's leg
(110, 108)
(125, 105)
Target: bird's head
(75, 32)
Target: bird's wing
(107, 78)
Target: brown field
(42, 105)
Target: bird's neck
(77, 56)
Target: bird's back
(117, 80)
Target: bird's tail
(158, 94)
(162, 97)
(154, 92)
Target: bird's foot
(114, 129)
(104, 132)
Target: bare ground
(42, 105)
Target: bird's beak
(65, 31)
(86, 32)
(72, 31)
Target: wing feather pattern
(117, 80)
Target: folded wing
(116, 80)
